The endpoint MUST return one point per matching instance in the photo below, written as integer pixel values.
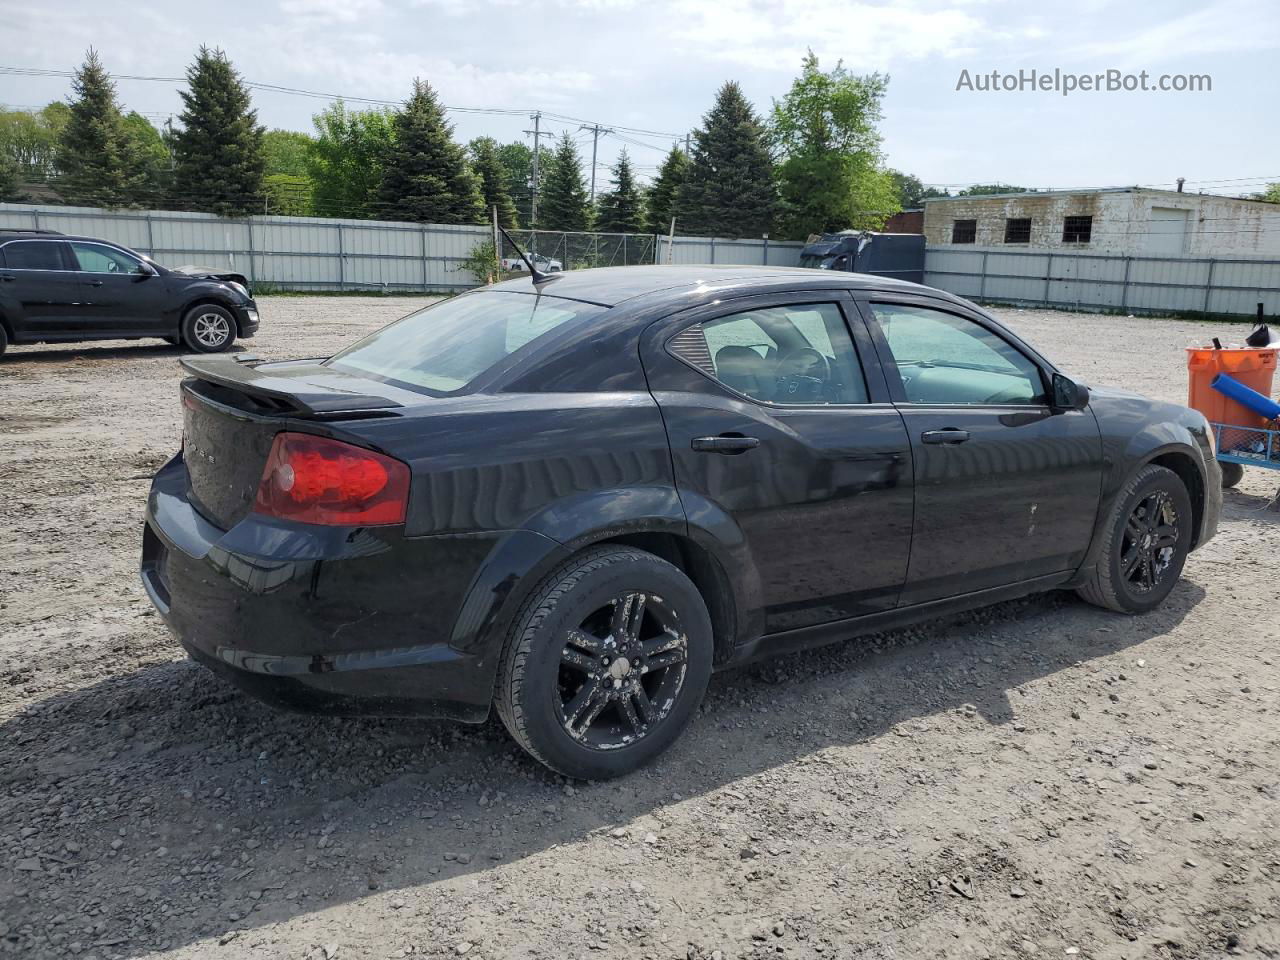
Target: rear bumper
(334, 620)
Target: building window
(1077, 229)
(964, 231)
(1017, 230)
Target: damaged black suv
(58, 289)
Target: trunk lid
(233, 407)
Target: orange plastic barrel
(1254, 368)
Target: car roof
(610, 286)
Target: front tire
(4, 340)
(208, 328)
(1144, 545)
(605, 664)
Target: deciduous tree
(830, 175)
(730, 189)
(427, 179)
(219, 159)
(347, 158)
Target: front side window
(95, 258)
(945, 358)
(792, 355)
(445, 347)
(33, 255)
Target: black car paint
(585, 437)
(71, 305)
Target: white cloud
(330, 11)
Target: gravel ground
(1040, 778)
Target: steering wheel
(802, 375)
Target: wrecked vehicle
(62, 289)
(573, 499)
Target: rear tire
(605, 663)
(4, 340)
(1144, 544)
(1232, 473)
(208, 328)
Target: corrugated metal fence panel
(693, 251)
(1095, 281)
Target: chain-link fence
(562, 250)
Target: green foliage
(285, 152)
(30, 139)
(992, 189)
(493, 177)
(287, 195)
(149, 158)
(562, 203)
(517, 160)
(346, 160)
(662, 202)
(8, 178)
(621, 210)
(219, 148)
(826, 135)
(93, 151)
(427, 179)
(1271, 194)
(911, 192)
(730, 189)
(481, 262)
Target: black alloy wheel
(621, 670)
(1143, 544)
(606, 662)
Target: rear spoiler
(309, 388)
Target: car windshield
(445, 347)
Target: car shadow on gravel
(41, 353)
(161, 808)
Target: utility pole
(686, 145)
(538, 134)
(596, 130)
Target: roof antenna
(539, 278)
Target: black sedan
(574, 501)
(62, 289)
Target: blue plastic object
(1246, 396)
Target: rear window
(447, 346)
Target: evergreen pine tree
(493, 177)
(663, 201)
(621, 211)
(730, 190)
(219, 148)
(93, 149)
(563, 203)
(427, 179)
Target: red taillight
(318, 480)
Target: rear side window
(445, 347)
(33, 255)
(791, 355)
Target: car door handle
(8, 277)
(93, 283)
(725, 443)
(947, 435)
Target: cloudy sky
(654, 65)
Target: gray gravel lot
(1040, 778)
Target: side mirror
(144, 270)
(1069, 395)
